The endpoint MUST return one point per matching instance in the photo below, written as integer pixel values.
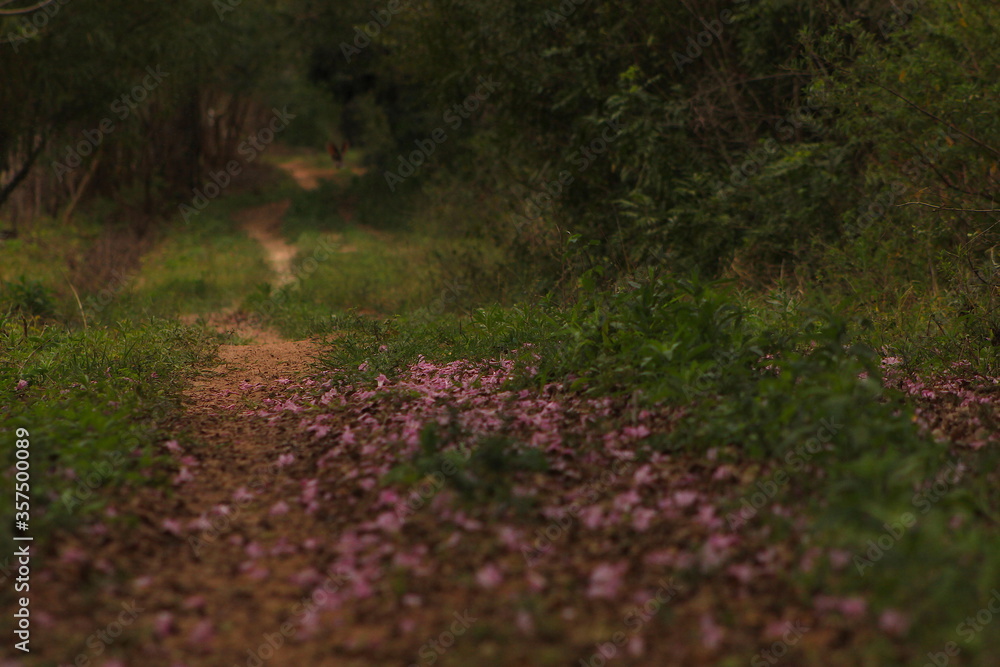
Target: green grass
(381, 269)
(760, 373)
(95, 396)
(92, 401)
(198, 268)
(765, 383)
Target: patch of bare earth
(262, 224)
(172, 555)
(308, 176)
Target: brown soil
(308, 176)
(196, 605)
(262, 224)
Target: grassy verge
(371, 264)
(93, 402)
(896, 501)
(94, 393)
(197, 269)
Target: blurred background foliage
(851, 143)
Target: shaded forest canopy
(740, 253)
(768, 140)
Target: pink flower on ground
(711, 633)
(839, 558)
(163, 624)
(241, 495)
(644, 475)
(893, 622)
(742, 572)
(172, 526)
(306, 578)
(489, 576)
(685, 498)
(606, 580)
(389, 522)
(642, 518)
(194, 602)
(775, 629)
(202, 634)
(853, 607)
(849, 607)
(73, 555)
(318, 430)
(592, 517)
(525, 623)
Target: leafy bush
(482, 471)
(29, 298)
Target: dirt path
(262, 224)
(435, 518)
(308, 176)
(283, 534)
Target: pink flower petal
(711, 634)
(489, 576)
(202, 634)
(606, 580)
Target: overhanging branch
(24, 10)
(22, 173)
